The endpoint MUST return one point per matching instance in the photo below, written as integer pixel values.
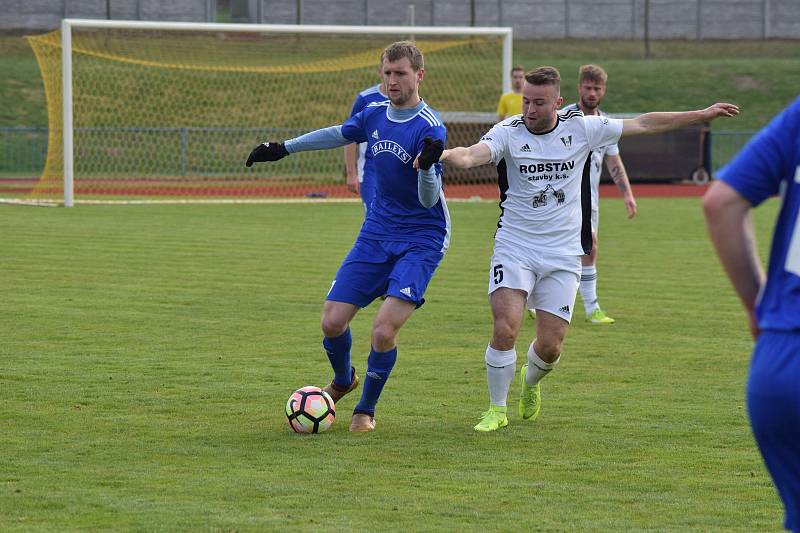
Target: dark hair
(517, 68)
(399, 50)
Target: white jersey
(540, 175)
(596, 161)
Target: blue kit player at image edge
(365, 169)
(770, 165)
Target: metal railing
(23, 150)
(725, 144)
(205, 151)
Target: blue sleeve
(756, 172)
(317, 140)
(430, 182)
(353, 127)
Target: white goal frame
(66, 56)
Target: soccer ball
(310, 410)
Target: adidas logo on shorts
(408, 292)
(564, 309)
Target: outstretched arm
(316, 140)
(462, 157)
(730, 227)
(658, 122)
(620, 177)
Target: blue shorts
(367, 189)
(773, 401)
(377, 268)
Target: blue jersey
(770, 165)
(396, 213)
(364, 98)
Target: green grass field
(148, 351)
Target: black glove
(430, 153)
(266, 152)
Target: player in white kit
(544, 226)
(591, 90)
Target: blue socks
(338, 350)
(379, 366)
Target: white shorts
(595, 219)
(550, 281)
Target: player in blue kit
(767, 166)
(357, 160)
(404, 235)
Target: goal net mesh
(175, 113)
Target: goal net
(171, 110)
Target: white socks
(500, 369)
(537, 369)
(588, 289)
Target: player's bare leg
(508, 306)
(391, 316)
(550, 333)
(393, 313)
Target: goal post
(140, 110)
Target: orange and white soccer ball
(310, 410)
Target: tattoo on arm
(618, 175)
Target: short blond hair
(399, 50)
(592, 73)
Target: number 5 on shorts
(498, 274)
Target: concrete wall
(531, 19)
(669, 19)
(47, 14)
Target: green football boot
(599, 317)
(530, 398)
(493, 419)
